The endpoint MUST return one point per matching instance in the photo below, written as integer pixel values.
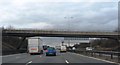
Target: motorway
(66, 58)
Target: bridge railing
(58, 32)
(107, 55)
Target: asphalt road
(65, 58)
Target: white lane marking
(17, 57)
(29, 62)
(66, 61)
(13, 55)
(97, 59)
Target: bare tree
(10, 27)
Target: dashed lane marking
(66, 61)
(29, 62)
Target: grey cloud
(86, 17)
(97, 16)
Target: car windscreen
(50, 48)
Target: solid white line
(97, 58)
(66, 61)
(13, 55)
(29, 62)
(18, 57)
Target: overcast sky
(77, 15)
(83, 15)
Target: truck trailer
(35, 45)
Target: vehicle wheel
(31, 53)
(41, 51)
(55, 54)
(46, 54)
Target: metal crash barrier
(107, 55)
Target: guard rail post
(91, 53)
(111, 56)
(118, 57)
(99, 54)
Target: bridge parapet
(59, 32)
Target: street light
(69, 28)
(62, 43)
(69, 22)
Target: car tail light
(33, 48)
(46, 50)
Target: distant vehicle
(50, 51)
(63, 49)
(45, 47)
(73, 48)
(58, 47)
(89, 48)
(34, 46)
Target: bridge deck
(54, 33)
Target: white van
(63, 49)
(34, 45)
(89, 48)
(73, 48)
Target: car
(63, 49)
(73, 48)
(89, 48)
(50, 51)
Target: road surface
(65, 58)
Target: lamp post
(69, 22)
(62, 43)
(69, 27)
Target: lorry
(63, 49)
(35, 45)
